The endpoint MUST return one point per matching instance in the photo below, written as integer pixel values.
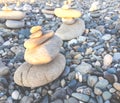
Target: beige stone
(35, 29)
(68, 32)
(36, 34)
(12, 15)
(44, 53)
(107, 60)
(48, 11)
(38, 75)
(32, 43)
(67, 13)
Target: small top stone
(35, 29)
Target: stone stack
(43, 63)
(72, 27)
(14, 19)
(48, 11)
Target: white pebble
(16, 95)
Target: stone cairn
(48, 11)
(43, 63)
(14, 19)
(72, 27)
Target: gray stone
(92, 80)
(106, 37)
(102, 84)
(116, 56)
(26, 99)
(59, 93)
(84, 68)
(68, 32)
(81, 39)
(4, 70)
(57, 101)
(82, 97)
(15, 24)
(106, 95)
(99, 99)
(72, 100)
(37, 75)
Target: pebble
(59, 93)
(63, 82)
(26, 99)
(106, 95)
(81, 39)
(116, 56)
(81, 97)
(102, 84)
(72, 100)
(87, 68)
(57, 101)
(15, 24)
(4, 70)
(99, 99)
(72, 83)
(107, 60)
(116, 86)
(92, 80)
(111, 70)
(106, 37)
(97, 91)
(16, 95)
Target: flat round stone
(38, 75)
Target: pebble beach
(92, 70)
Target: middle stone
(43, 49)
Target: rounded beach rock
(68, 32)
(37, 75)
(45, 52)
(67, 13)
(14, 24)
(12, 15)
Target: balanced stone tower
(14, 19)
(72, 26)
(43, 63)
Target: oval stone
(45, 52)
(12, 15)
(37, 75)
(15, 24)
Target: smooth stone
(45, 99)
(97, 91)
(92, 80)
(44, 53)
(60, 93)
(57, 101)
(116, 86)
(36, 34)
(34, 42)
(94, 6)
(72, 100)
(68, 21)
(26, 99)
(116, 56)
(87, 68)
(111, 70)
(107, 60)
(106, 95)
(102, 84)
(34, 29)
(106, 37)
(12, 15)
(4, 70)
(82, 97)
(16, 95)
(37, 75)
(62, 13)
(99, 99)
(81, 39)
(15, 24)
(110, 77)
(68, 32)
